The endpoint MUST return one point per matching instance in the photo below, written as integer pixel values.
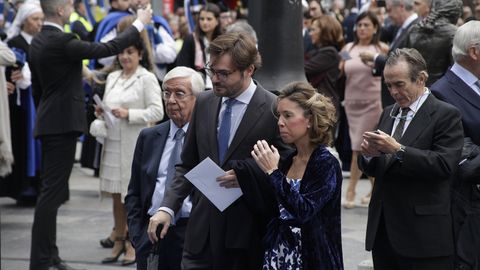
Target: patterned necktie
(397, 134)
(224, 131)
(175, 156)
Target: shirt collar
(28, 38)
(247, 95)
(419, 101)
(465, 75)
(174, 128)
(409, 20)
(54, 25)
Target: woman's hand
(98, 110)
(266, 157)
(120, 112)
(17, 75)
(10, 88)
(367, 58)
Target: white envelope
(204, 176)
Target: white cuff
(139, 25)
(168, 210)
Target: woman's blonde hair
(317, 107)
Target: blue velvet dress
(314, 208)
(285, 256)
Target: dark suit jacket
(414, 195)
(56, 66)
(381, 59)
(237, 227)
(450, 88)
(465, 196)
(146, 159)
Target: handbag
(98, 128)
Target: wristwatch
(400, 153)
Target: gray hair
(196, 80)
(466, 36)
(49, 7)
(408, 4)
(415, 61)
(244, 27)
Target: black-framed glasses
(176, 95)
(221, 74)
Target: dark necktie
(224, 131)
(397, 134)
(174, 159)
(175, 156)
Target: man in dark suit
(226, 122)
(403, 16)
(413, 156)
(154, 150)
(460, 87)
(56, 66)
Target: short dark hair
(239, 46)
(49, 7)
(415, 61)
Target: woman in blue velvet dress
(307, 233)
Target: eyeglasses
(407, 117)
(176, 95)
(221, 74)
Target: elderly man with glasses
(156, 154)
(413, 156)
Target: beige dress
(363, 103)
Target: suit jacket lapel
(213, 110)
(422, 118)
(463, 90)
(254, 109)
(415, 128)
(157, 145)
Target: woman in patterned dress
(306, 234)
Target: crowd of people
(393, 88)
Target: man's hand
(145, 14)
(379, 141)
(161, 217)
(10, 88)
(229, 180)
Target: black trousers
(58, 155)
(171, 248)
(385, 257)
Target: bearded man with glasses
(413, 156)
(227, 121)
